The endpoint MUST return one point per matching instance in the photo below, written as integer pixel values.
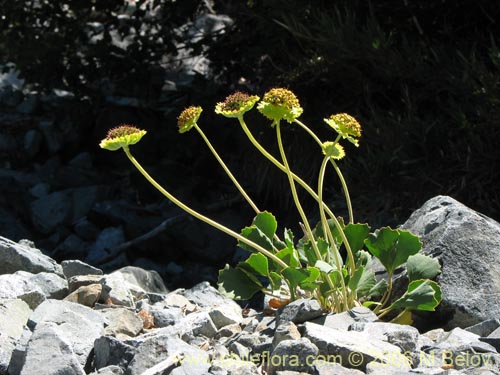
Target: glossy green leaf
(276, 280)
(324, 267)
(254, 234)
(302, 277)
(421, 266)
(237, 284)
(420, 295)
(266, 222)
(392, 246)
(256, 263)
(362, 281)
(356, 234)
(289, 256)
(378, 289)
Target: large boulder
(468, 246)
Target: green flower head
(236, 104)
(121, 136)
(188, 118)
(346, 125)
(333, 150)
(280, 104)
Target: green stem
(228, 172)
(294, 192)
(385, 298)
(301, 182)
(337, 169)
(328, 232)
(201, 217)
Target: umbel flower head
(333, 150)
(188, 118)
(346, 125)
(280, 104)
(122, 136)
(236, 104)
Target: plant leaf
(392, 246)
(267, 223)
(356, 234)
(421, 295)
(237, 284)
(256, 263)
(378, 289)
(275, 280)
(289, 256)
(254, 234)
(362, 281)
(302, 277)
(422, 266)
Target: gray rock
(109, 370)
(344, 320)
(117, 290)
(103, 246)
(32, 141)
(40, 190)
(166, 317)
(467, 244)
(224, 315)
(403, 336)
(19, 353)
(155, 349)
(52, 135)
(241, 351)
(110, 351)
(230, 366)
(72, 247)
(295, 355)
(14, 314)
(20, 257)
(206, 296)
(486, 328)
(257, 343)
(76, 282)
(332, 368)
(29, 104)
(51, 285)
(147, 281)
(20, 287)
(80, 325)
(122, 322)
(285, 331)
(51, 350)
(63, 207)
(352, 349)
(299, 311)
(77, 267)
(460, 340)
(86, 230)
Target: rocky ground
(72, 318)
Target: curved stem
(201, 217)
(337, 169)
(301, 182)
(294, 192)
(328, 232)
(231, 176)
(228, 172)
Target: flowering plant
(311, 266)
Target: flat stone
(77, 268)
(231, 366)
(22, 257)
(224, 315)
(332, 368)
(148, 281)
(486, 328)
(404, 336)
(117, 290)
(285, 331)
(352, 349)
(344, 320)
(206, 296)
(299, 311)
